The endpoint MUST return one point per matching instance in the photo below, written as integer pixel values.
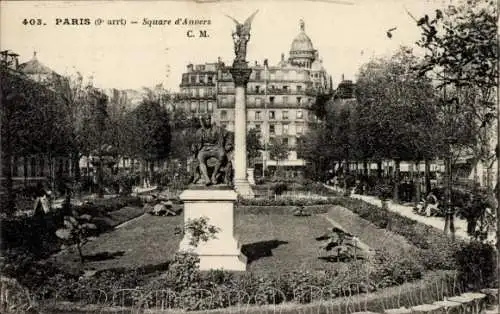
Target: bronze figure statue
(241, 36)
(213, 144)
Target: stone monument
(210, 195)
(241, 74)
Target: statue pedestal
(217, 205)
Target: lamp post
(266, 122)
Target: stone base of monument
(217, 205)
(243, 188)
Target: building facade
(279, 98)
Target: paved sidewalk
(407, 211)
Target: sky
(346, 33)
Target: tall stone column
(241, 74)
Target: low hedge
(111, 204)
(437, 251)
(182, 286)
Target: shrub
(109, 205)
(279, 188)
(476, 264)
(396, 269)
(383, 191)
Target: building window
(223, 115)
(257, 75)
(285, 140)
(285, 128)
(271, 100)
(272, 115)
(193, 106)
(299, 100)
(257, 127)
(202, 92)
(258, 101)
(257, 115)
(224, 126)
(285, 88)
(285, 100)
(285, 115)
(272, 129)
(257, 89)
(299, 114)
(203, 107)
(299, 88)
(210, 107)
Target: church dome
(302, 42)
(34, 67)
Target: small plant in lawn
(339, 241)
(77, 231)
(301, 212)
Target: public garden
(102, 232)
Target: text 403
(33, 22)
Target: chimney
(282, 56)
(342, 77)
(256, 63)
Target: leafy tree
(461, 46)
(314, 146)
(32, 123)
(278, 150)
(254, 146)
(151, 134)
(397, 116)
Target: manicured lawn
(272, 242)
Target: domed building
(37, 71)
(279, 99)
(302, 52)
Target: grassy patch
(272, 243)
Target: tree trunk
(365, 168)
(80, 253)
(416, 181)
(143, 173)
(88, 174)
(449, 225)
(396, 180)
(8, 183)
(427, 176)
(151, 171)
(379, 169)
(25, 171)
(76, 167)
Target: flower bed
(276, 209)
(285, 201)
